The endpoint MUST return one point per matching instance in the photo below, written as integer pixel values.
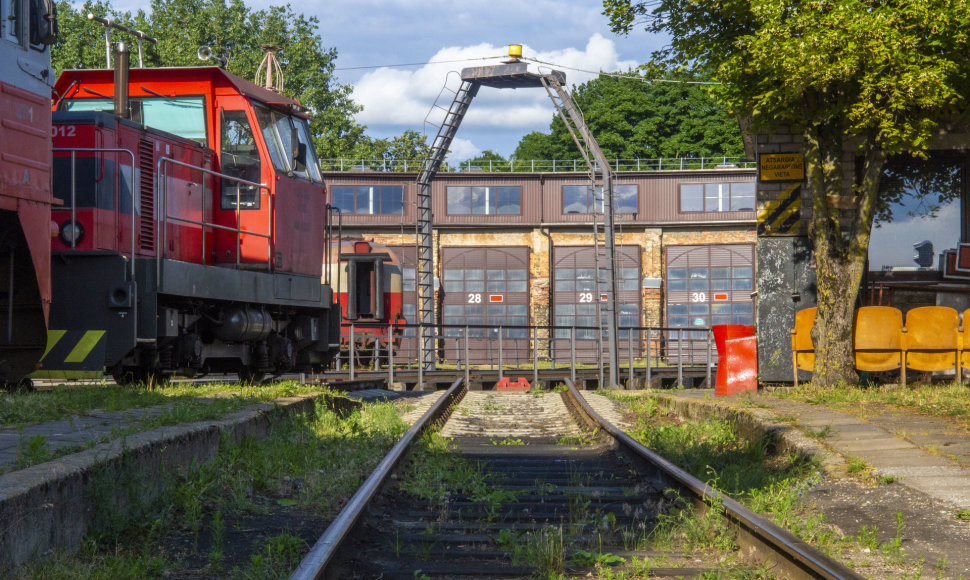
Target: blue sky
(369, 33)
(376, 33)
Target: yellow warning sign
(782, 167)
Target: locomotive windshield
(289, 144)
(182, 116)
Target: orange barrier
(802, 349)
(931, 340)
(740, 366)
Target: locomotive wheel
(25, 386)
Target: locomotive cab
(200, 214)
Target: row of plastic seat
(932, 339)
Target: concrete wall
(51, 506)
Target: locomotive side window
(240, 159)
(12, 16)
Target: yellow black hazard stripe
(783, 214)
(73, 354)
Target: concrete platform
(51, 505)
(914, 449)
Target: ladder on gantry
(514, 74)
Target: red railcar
(26, 31)
(192, 233)
(368, 278)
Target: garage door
(488, 288)
(707, 285)
(576, 299)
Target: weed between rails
(249, 513)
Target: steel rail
(315, 563)
(797, 558)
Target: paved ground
(73, 433)
(928, 454)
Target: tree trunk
(840, 240)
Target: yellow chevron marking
(53, 336)
(797, 205)
(84, 346)
(784, 198)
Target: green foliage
(635, 119)
(31, 451)
(865, 77)
(229, 28)
(410, 145)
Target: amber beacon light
(515, 50)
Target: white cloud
(462, 149)
(405, 97)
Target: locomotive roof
(212, 74)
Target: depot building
(517, 248)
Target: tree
(867, 78)
(408, 146)
(229, 28)
(633, 118)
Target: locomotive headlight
(71, 232)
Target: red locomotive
(369, 284)
(27, 28)
(192, 233)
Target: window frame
(591, 199)
(377, 194)
(722, 200)
(492, 196)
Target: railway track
(540, 484)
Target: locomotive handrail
(161, 179)
(135, 186)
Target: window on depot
(717, 197)
(368, 199)
(583, 199)
(484, 200)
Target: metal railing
(519, 350)
(539, 165)
(162, 178)
(133, 192)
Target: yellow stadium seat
(878, 339)
(931, 339)
(802, 349)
